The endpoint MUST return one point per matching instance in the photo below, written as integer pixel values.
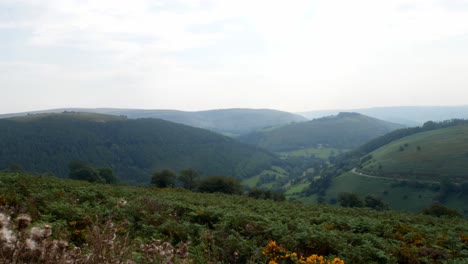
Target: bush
(163, 179)
(221, 184)
(262, 194)
(349, 200)
(84, 172)
(375, 203)
(440, 210)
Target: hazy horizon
(299, 112)
(193, 55)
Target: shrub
(374, 203)
(163, 179)
(439, 210)
(278, 254)
(221, 184)
(349, 200)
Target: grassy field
(274, 173)
(293, 191)
(430, 155)
(322, 153)
(397, 196)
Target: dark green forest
(132, 148)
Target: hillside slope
(133, 148)
(231, 122)
(430, 155)
(407, 115)
(344, 131)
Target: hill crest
(231, 122)
(343, 131)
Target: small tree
(188, 178)
(83, 172)
(375, 203)
(220, 184)
(347, 199)
(107, 174)
(163, 179)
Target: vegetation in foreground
(121, 224)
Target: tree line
(187, 179)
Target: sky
(297, 55)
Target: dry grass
(21, 242)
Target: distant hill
(133, 148)
(232, 122)
(431, 156)
(407, 115)
(343, 131)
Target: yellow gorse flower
(276, 253)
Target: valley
(309, 161)
(346, 179)
(233, 132)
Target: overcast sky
(294, 55)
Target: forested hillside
(344, 131)
(133, 148)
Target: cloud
(292, 55)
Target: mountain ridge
(407, 115)
(232, 121)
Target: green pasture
(429, 156)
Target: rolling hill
(408, 169)
(231, 122)
(407, 115)
(431, 156)
(133, 148)
(343, 131)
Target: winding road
(382, 177)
